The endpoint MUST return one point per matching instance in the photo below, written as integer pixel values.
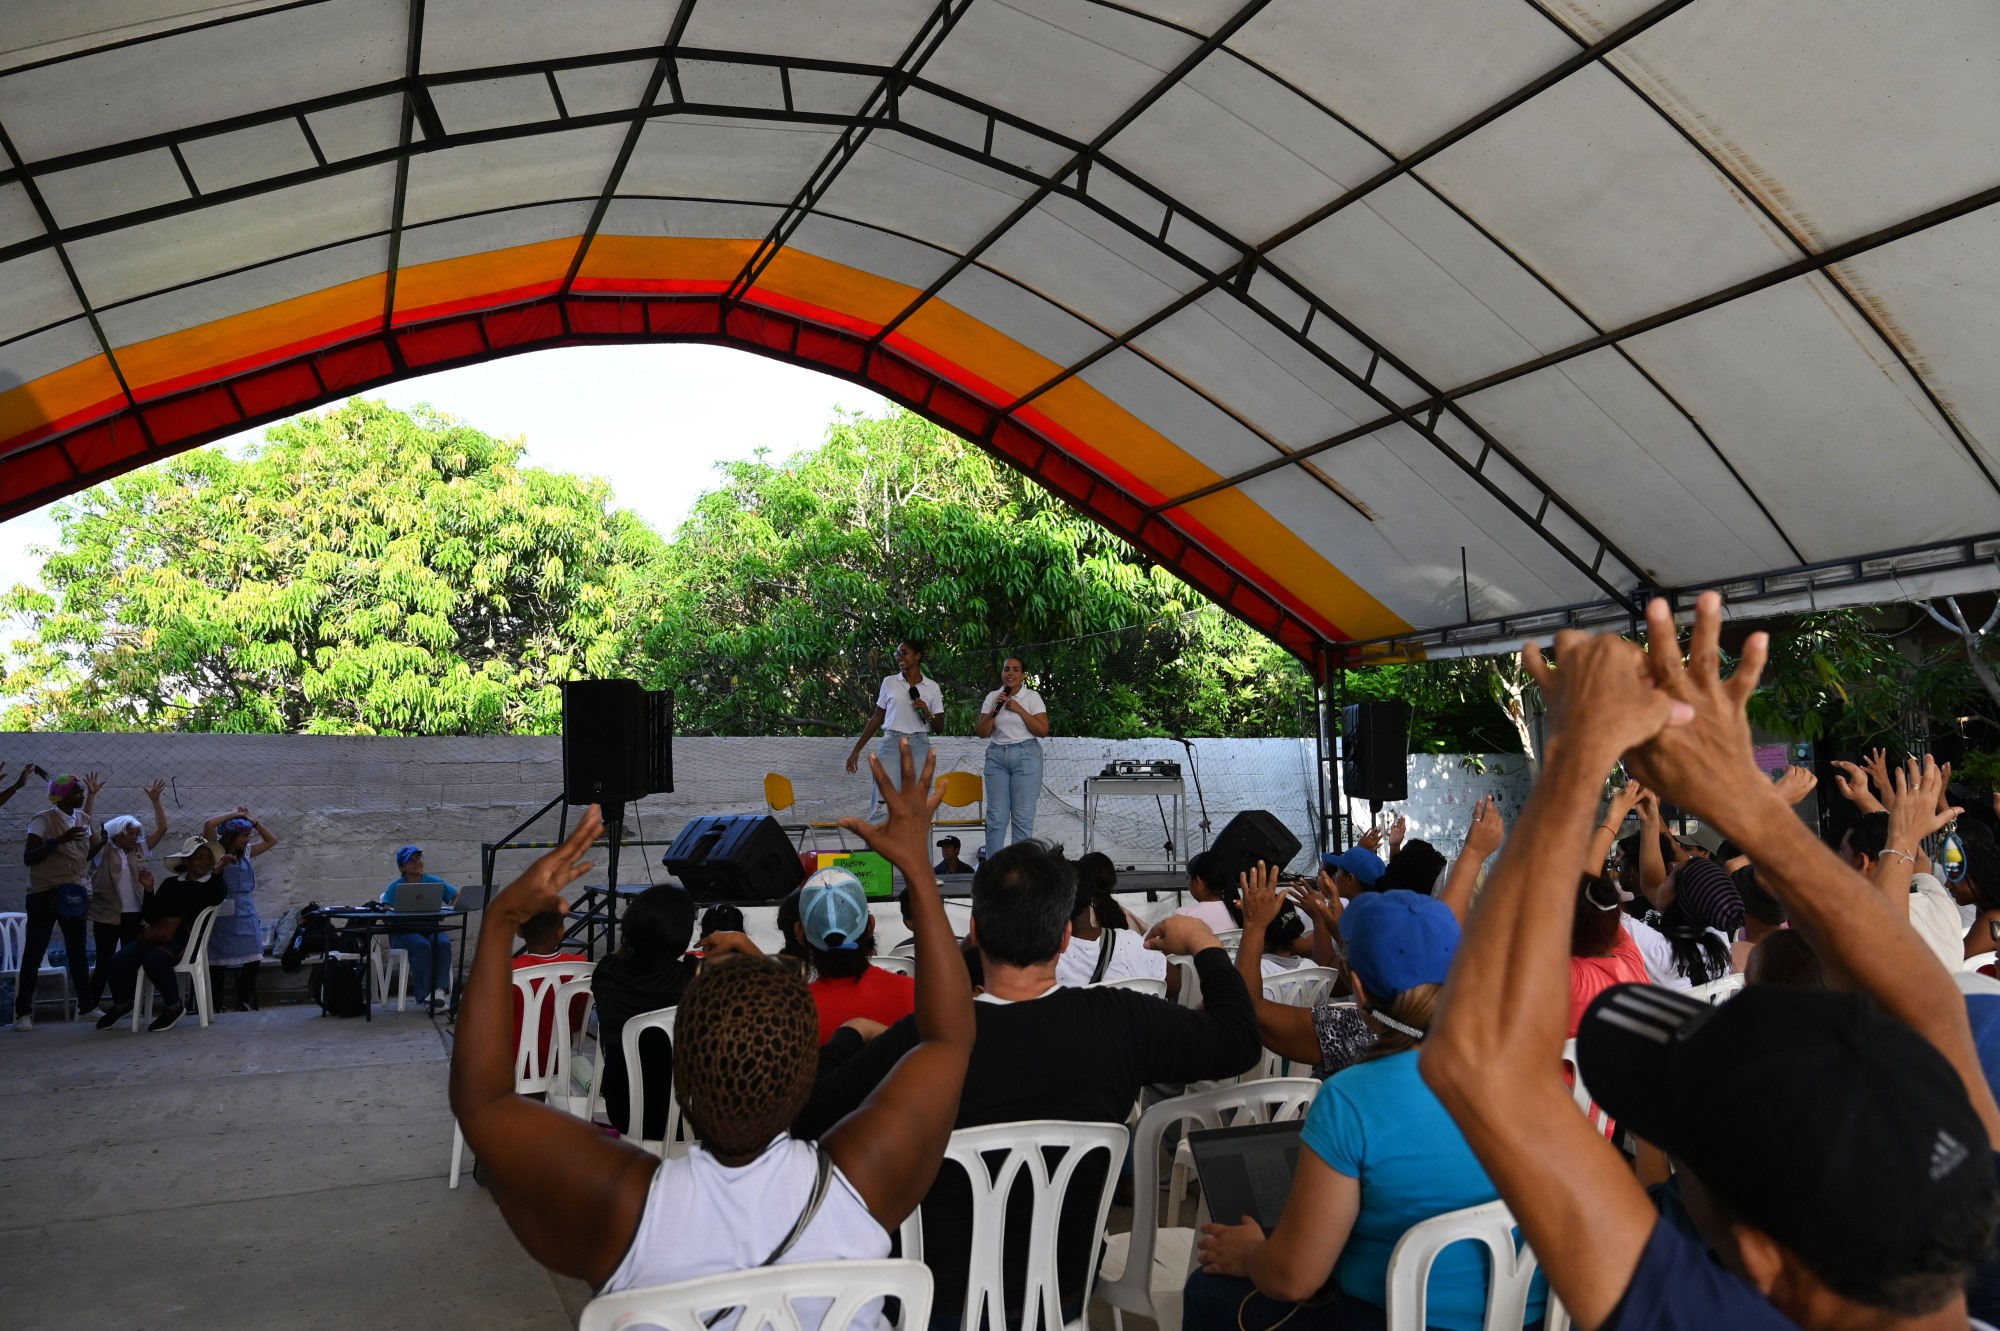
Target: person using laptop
(415, 891)
(1381, 1155)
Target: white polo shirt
(900, 717)
(1009, 727)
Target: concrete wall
(342, 806)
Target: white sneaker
(86, 1014)
(24, 1022)
(440, 1001)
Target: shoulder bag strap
(1107, 943)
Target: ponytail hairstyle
(1095, 877)
(1414, 1008)
(1699, 955)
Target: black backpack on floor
(337, 984)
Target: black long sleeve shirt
(1079, 1054)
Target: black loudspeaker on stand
(1375, 752)
(1250, 836)
(618, 746)
(742, 857)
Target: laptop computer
(1247, 1170)
(419, 898)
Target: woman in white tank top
(746, 1047)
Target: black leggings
(110, 937)
(246, 983)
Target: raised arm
(1494, 1055)
(159, 833)
(1652, 865)
(1285, 1028)
(1852, 783)
(1482, 838)
(1710, 768)
(1606, 833)
(8, 792)
(890, 1148)
(93, 785)
(265, 839)
(571, 1195)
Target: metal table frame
(1097, 788)
(379, 922)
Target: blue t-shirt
(450, 892)
(1379, 1123)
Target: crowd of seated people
(1814, 1151)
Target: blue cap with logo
(1364, 864)
(833, 905)
(1398, 940)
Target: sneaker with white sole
(24, 1022)
(168, 1017)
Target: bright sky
(653, 420)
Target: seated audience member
(1929, 908)
(1351, 872)
(649, 971)
(1601, 952)
(720, 919)
(429, 949)
(169, 912)
(1783, 956)
(747, 1194)
(791, 949)
(1982, 876)
(839, 938)
(948, 860)
(1288, 941)
(1326, 1037)
(1210, 905)
(1413, 868)
(1834, 1153)
(1381, 1154)
(1048, 1051)
(541, 945)
(1700, 920)
(1101, 949)
(1763, 915)
(908, 945)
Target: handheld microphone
(913, 694)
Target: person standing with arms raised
(909, 705)
(1016, 719)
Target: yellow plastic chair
(961, 790)
(779, 796)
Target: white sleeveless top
(703, 1218)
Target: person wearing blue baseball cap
(1351, 872)
(430, 952)
(1381, 1156)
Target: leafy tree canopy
(360, 571)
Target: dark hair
(1015, 656)
(788, 915)
(1594, 925)
(844, 963)
(1022, 898)
(918, 645)
(746, 1046)
(1869, 835)
(1758, 903)
(721, 919)
(1095, 877)
(907, 907)
(1982, 873)
(544, 925)
(659, 923)
(1783, 956)
(1414, 868)
(1699, 956)
(1728, 850)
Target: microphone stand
(1194, 768)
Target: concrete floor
(278, 1169)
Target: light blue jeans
(430, 962)
(1013, 789)
(892, 763)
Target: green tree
(790, 584)
(360, 571)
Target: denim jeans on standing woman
(1013, 789)
(891, 754)
(42, 922)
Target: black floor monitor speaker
(1250, 836)
(735, 857)
(618, 741)
(1375, 751)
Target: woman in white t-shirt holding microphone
(1016, 719)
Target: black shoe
(168, 1018)
(114, 1014)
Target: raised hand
(1877, 767)
(1852, 783)
(1397, 831)
(903, 837)
(1488, 829)
(1322, 903)
(540, 886)
(93, 783)
(1259, 897)
(1602, 699)
(1916, 791)
(1796, 783)
(1181, 936)
(155, 789)
(1371, 840)
(1707, 766)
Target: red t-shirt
(579, 1005)
(1591, 976)
(876, 994)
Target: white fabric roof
(1424, 323)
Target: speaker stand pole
(1194, 770)
(614, 831)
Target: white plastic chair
(1231, 940)
(570, 995)
(193, 964)
(14, 941)
(1138, 983)
(1598, 1118)
(391, 964)
(1024, 1146)
(1143, 1271)
(1512, 1264)
(1167, 1254)
(1717, 991)
(768, 1297)
(899, 964)
(1306, 986)
(678, 1139)
(1972, 963)
(535, 1071)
